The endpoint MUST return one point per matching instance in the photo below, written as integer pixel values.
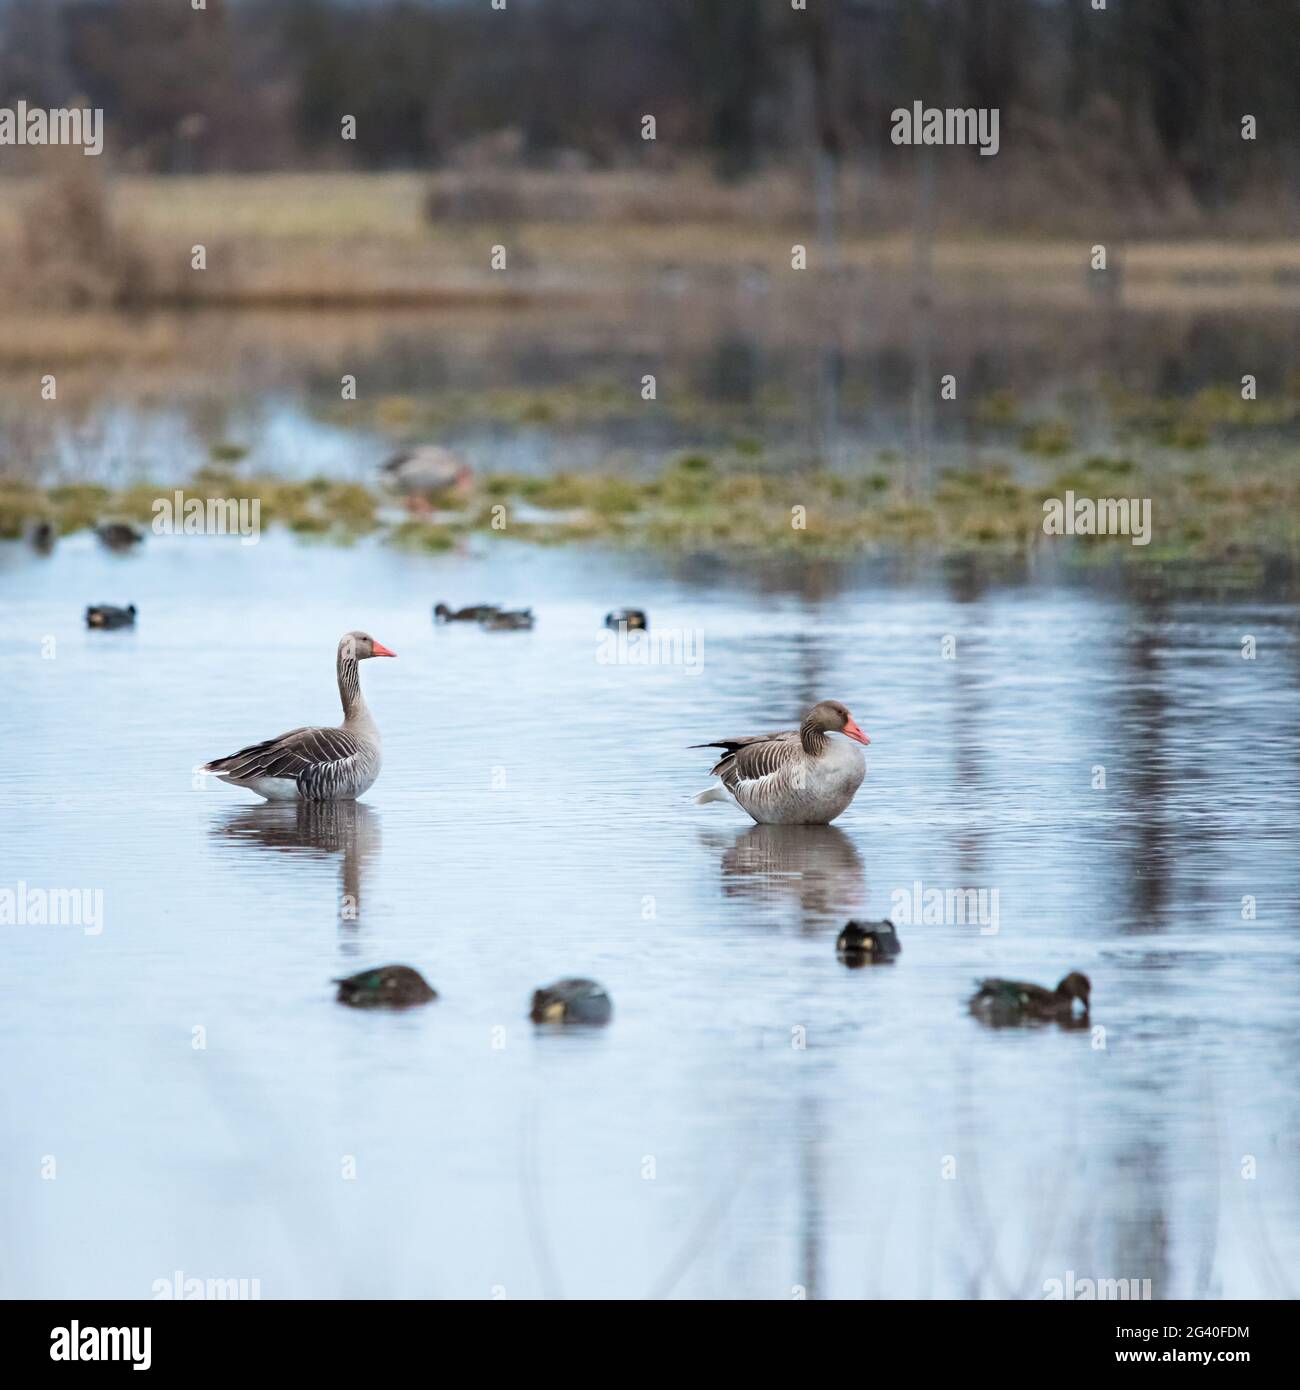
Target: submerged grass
(1243, 505)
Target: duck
(427, 472)
(518, 621)
(801, 776)
(314, 764)
(571, 1001)
(41, 535)
(1012, 1001)
(106, 615)
(630, 618)
(863, 943)
(386, 986)
(118, 535)
(476, 613)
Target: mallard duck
(1012, 1001)
(629, 618)
(387, 986)
(478, 613)
(571, 1001)
(520, 621)
(118, 535)
(106, 615)
(868, 943)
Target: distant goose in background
(106, 615)
(520, 621)
(1012, 1001)
(387, 986)
(427, 472)
(119, 535)
(478, 613)
(797, 777)
(868, 943)
(571, 1001)
(41, 535)
(633, 618)
(317, 764)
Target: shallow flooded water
(751, 369)
(182, 1093)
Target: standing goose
(798, 777)
(317, 764)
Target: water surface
(757, 1120)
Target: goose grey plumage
(336, 764)
(796, 777)
(426, 472)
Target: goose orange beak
(381, 650)
(852, 731)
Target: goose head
(358, 646)
(831, 717)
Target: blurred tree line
(264, 84)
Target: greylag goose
(317, 764)
(1011, 1001)
(426, 472)
(571, 1001)
(387, 986)
(476, 613)
(631, 618)
(106, 615)
(798, 777)
(861, 943)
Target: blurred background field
(672, 257)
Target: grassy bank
(1198, 511)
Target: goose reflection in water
(319, 830)
(814, 868)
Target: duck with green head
(1013, 1001)
(387, 987)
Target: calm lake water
(532, 821)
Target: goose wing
(755, 757)
(310, 757)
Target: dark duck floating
(386, 987)
(42, 535)
(519, 621)
(119, 535)
(1012, 1001)
(868, 943)
(631, 618)
(478, 613)
(106, 615)
(571, 1001)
